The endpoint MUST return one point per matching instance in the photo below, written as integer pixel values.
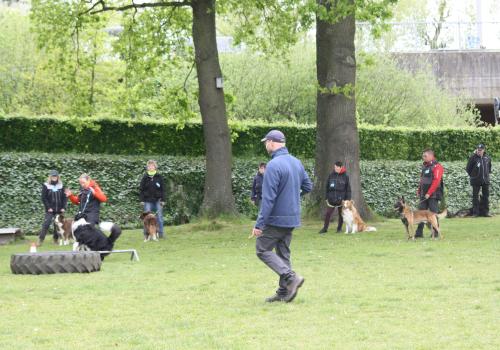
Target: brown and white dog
(150, 226)
(63, 229)
(353, 221)
(411, 217)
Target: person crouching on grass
(284, 183)
(89, 199)
(54, 201)
(338, 189)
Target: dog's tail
(442, 214)
(114, 229)
(371, 229)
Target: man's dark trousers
(485, 199)
(279, 239)
(431, 204)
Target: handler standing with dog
(430, 189)
(338, 189)
(54, 201)
(152, 194)
(89, 200)
(285, 180)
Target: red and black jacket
(338, 187)
(89, 202)
(431, 180)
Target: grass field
(204, 288)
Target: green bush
(21, 176)
(118, 136)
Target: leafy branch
(104, 8)
(346, 90)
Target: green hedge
(115, 136)
(21, 176)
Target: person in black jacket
(479, 169)
(152, 193)
(88, 199)
(54, 201)
(338, 189)
(257, 185)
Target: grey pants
(278, 239)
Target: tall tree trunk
(218, 195)
(336, 130)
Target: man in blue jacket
(285, 181)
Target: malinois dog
(411, 217)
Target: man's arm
(269, 194)
(438, 175)
(470, 165)
(306, 185)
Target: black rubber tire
(55, 262)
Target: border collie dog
(63, 229)
(90, 237)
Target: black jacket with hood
(53, 197)
(338, 187)
(479, 169)
(152, 188)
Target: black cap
(481, 146)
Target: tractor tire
(55, 262)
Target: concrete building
(473, 74)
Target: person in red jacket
(430, 189)
(89, 199)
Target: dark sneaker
(488, 215)
(322, 231)
(275, 298)
(293, 286)
(339, 231)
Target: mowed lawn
(204, 288)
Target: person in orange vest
(89, 199)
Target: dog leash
(423, 200)
(332, 206)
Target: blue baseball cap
(274, 135)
